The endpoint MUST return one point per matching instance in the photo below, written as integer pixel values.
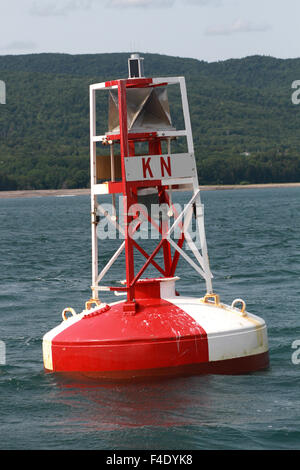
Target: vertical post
(93, 196)
(201, 229)
(112, 175)
(127, 194)
(170, 212)
(164, 225)
(198, 205)
(186, 115)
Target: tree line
(245, 126)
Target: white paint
(167, 287)
(229, 333)
(156, 167)
(167, 80)
(48, 338)
(100, 188)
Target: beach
(86, 191)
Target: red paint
(115, 187)
(147, 289)
(131, 144)
(138, 82)
(165, 166)
(160, 339)
(141, 136)
(146, 167)
(131, 82)
(159, 335)
(163, 229)
(149, 260)
(236, 366)
(154, 147)
(128, 199)
(145, 254)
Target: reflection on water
(205, 411)
(154, 402)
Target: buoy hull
(165, 337)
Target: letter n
(165, 166)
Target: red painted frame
(129, 190)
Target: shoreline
(83, 192)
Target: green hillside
(245, 127)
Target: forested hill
(245, 126)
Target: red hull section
(159, 336)
(237, 366)
(159, 340)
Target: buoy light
(136, 66)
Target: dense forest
(245, 126)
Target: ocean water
(253, 239)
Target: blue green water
(254, 246)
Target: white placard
(157, 167)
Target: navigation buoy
(154, 330)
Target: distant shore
(83, 192)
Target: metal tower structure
(139, 112)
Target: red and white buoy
(154, 331)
